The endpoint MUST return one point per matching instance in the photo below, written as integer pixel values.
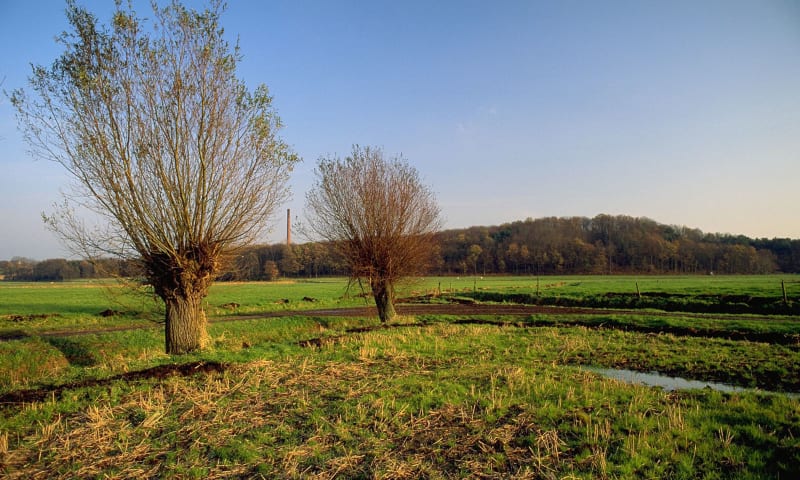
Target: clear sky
(687, 112)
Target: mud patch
(13, 335)
(28, 318)
(158, 373)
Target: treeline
(58, 269)
(604, 244)
(609, 244)
(265, 262)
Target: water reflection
(655, 379)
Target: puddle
(655, 379)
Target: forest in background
(604, 244)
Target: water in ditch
(655, 379)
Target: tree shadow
(75, 353)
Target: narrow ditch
(768, 383)
(672, 383)
(157, 372)
(764, 337)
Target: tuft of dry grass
(4, 444)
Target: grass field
(76, 305)
(433, 396)
(747, 294)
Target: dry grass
(439, 401)
(179, 426)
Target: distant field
(746, 294)
(436, 395)
(756, 285)
(91, 297)
(36, 307)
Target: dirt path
(460, 310)
(468, 312)
(432, 309)
(411, 309)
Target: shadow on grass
(158, 372)
(13, 335)
(75, 353)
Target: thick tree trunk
(185, 324)
(383, 292)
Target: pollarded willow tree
(180, 160)
(379, 216)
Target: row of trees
(59, 269)
(609, 244)
(600, 245)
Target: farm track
(407, 309)
(472, 310)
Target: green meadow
(285, 390)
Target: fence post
(783, 287)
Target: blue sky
(687, 112)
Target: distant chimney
(288, 226)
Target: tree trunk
(185, 324)
(383, 292)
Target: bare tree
(165, 143)
(378, 214)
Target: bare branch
(378, 214)
(162, 139)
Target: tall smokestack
(288, 226)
